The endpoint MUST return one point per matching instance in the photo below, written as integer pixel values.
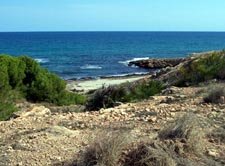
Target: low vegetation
(6, 110)
(109, 96)
(106, 149)
(179, 143)
(215, 95)
(24, 76)
(150, 154)
(205, 67)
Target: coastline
(84, 86)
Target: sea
(79, 55)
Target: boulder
(35, 111)
(157, 63)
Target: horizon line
(105, 31)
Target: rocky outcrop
(157, 63)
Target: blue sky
(112, 15)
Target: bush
(152, 154)
(107, 97)
(144, 90)
(6, 110)
(67, 98)
(7, 107)
(187, 129)
(216, 95)
(25, 77)
(203, 68)
(218, 134)
(106, 150)
(37, 84)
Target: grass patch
(109, 96)
(187, 129)
(218, 134)
(106, 149)
(215, 95)
(149, 155)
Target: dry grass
(181, 143)
(216, 95)
(188, 130)
(106, 150)
(218, 134)
(153, 154)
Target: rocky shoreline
(157, 63)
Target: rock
(170, 90)
(61, 131)
(35, 111)
(212, 153)
(222, 100)
(152, 119)
(157, 63)
(172, 114)
(147, 109)
(117, 104)
(168, 100)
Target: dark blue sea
(95, 54)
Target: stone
(212, 153)
(168, 100)
(222, 100)
(152, 119)
(62, 131)
(36, 111)
(157, 63)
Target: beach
(84, 86)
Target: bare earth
(42, 136)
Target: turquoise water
(94, 54)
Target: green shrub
(107, 97)
(67, 98)
(6, 110)
(45, 87)
(37, 84)
(144, 90)
(23, 76)
(7, 106)
(209, 66)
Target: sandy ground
(87, 85)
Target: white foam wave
(134, 59)
(128, 74)
(91, 67)
(41, 60)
